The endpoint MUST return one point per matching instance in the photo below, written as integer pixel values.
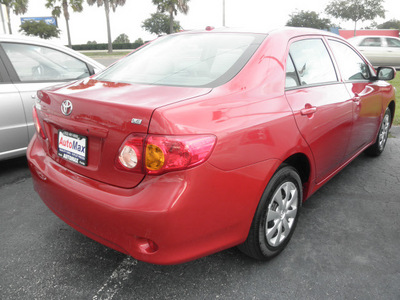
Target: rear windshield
(193, 60)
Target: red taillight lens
(42, 96)
(160, 154)
(38, 127)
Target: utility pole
(2, 19)
(223, 13)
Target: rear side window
(313, 62)
(351, 65)
(393, 42)
(292, 80)
(34, 63)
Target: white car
(379, 50)
(27, 65)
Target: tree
(40, 29)
(391, 24)
(107, 5)
(19, 7)
(76, 6)
(308, 19)
(158, 24)
(356, 10)
(122, 39)
(172, 7)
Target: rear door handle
(308, 111)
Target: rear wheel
(276, 215)
(380, 143)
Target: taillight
(130, 154)
(156, 154)
(38, 127)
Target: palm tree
(172, 7)
(19, 7)
(107, 5)
(76, 6)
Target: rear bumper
(186, 214)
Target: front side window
(351, 65)
(195, 60)
(312, 61)
(34, 63)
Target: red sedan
(201, 141)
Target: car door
(33, 67)
(393, 51)
(321, 104)
(13, 130)
(367, 103)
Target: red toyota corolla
(201, 141)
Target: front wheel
(276, 216)
(377, 148)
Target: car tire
(276, 216)
(377, 148)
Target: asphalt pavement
(346, 246)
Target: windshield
(194, 60)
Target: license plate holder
(72, 147)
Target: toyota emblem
(66, 107)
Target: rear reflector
(38, 127)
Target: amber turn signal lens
(154, 157)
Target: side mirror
(386, 73)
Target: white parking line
(114, 282)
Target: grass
(396, 83)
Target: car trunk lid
(103, 115)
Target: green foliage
(172, 7)
(91, 43)
(59, 6)
(19, 7)
(122, 39)
(104, 46)
(308, 19)
(40, 29)
(63, 6)
(107, 5)
(356, 10)
(391, 24)
(139, 41)
(158, 24)
(396, 83)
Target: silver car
(28, 65)
(379, 50)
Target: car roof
(287, 31)
(41, 42)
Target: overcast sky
(90, 25)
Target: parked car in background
(26, 66)
(379, 50)
(201, 141)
